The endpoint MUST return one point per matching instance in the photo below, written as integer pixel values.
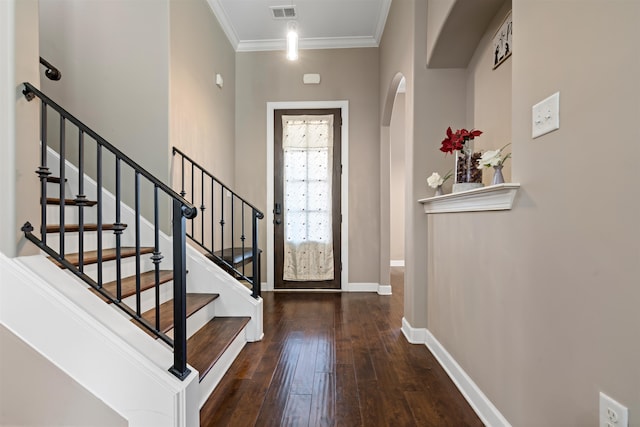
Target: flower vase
(439, 191)
(467, 176)
(497, 175)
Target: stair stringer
(68, 328)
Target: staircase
(171, 293)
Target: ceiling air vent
(283, 12)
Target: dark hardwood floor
(331, 359)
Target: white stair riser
(127, 266)
(198, 319)
(148, 297)
(71, 241)
(72, 215)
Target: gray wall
(347, 74)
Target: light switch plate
(546, 116)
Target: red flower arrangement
(455, 141)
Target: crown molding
(315, 43)
(224, 22)
(385, 5)
(319, 43)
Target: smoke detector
(283, 12)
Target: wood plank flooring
(331, 359)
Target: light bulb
(292, 45)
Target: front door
(307, 210)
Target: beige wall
(396, 61)
(396, 180)
(50, 397)
(347, 74)
(202, 114)
(26, 125)
(7, 126)
(489, 97)
(114, 58)
(539, 304)
(432, 104)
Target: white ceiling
(322, 24)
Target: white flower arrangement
(493, 158)
(435, 180)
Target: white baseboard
(397, 263)
(478, 401)
(384, 290)
(368, 287)
(413, 335)
(351, 287)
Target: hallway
(331, 359)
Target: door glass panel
(308, 152)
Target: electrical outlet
(612, 413)
(546, 116)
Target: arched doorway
(392, 173)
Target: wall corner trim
(384, 290)
(480, 403)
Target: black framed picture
(503, 42)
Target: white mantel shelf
(492, 198)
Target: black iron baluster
(193, 196)
(80, 200)
(99, 210)
(157, 256)
(213, 216)
(256, 255)
(137, 220)
(222, 190)
(182, 192)
(61, 186)
(179, 367)
(233, 242)
(202, 207)
(43, 172)
(242, 236)
(117, 227)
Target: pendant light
(292, 41)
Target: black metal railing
(76, 138)
(51, 72)
(225, 224)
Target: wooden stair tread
(91, 257)
(69, 202)
(234, 256)
(206, 346)
(194, 303)
(128, 284)
(74, 228)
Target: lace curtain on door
(308, 157)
